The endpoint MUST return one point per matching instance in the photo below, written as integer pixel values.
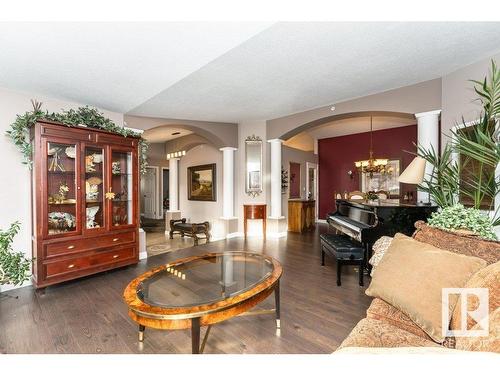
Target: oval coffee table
(203, 290)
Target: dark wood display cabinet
(84, 202)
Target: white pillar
(275, 178)
(173, 184)
(428, 136)
(228, 182)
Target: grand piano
(366, 222)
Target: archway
(324, 120)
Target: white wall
(197, 211)
(15, 185)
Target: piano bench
(345, 251)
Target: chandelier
(371, 165)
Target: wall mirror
(253, 165)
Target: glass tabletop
(205, 280)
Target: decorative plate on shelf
(97, 158)
(61, 222)
(71, 152)
(91, 212)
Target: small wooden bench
(180, 226)
(345, 251)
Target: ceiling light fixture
(176, 154)
(371, 165)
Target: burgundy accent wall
(338, 154)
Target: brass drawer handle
(71, 266)
(71, 247)
(115, 239)
(115, 256)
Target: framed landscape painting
(202, 183)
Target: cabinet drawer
(65, 266)
(76, 245)
(255, 212)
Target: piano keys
(366, 222)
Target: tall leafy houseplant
(14, 267)
(465, 170)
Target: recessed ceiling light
(332, 108)
(176, 133)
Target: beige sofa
(387, 327)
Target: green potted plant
(464, 172)
(14, 267)
(464, 220)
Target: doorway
(312, 185)
(149, 193)
(164, 200)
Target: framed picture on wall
(387, 181)
(202, 183)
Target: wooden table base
(196, 326)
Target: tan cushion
(490, 343)
(411, 276)
(488, 277)
(379, 334)
(458, 243)
(381, 310)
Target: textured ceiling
(292, 67)
(115, 66)
(231, 72)
(164, 133)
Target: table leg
(141, 333)
(277, 303)
(195, 335)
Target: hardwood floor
(89, 316)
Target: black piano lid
(381, 203)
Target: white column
(428, 136)
(173, 184)
(228, 182)
(275, 178)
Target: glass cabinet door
(121, 190)
(94, 188)
(62, 195)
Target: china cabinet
(84, 202)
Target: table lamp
(414, 173)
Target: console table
(254, 211)
(301, 215)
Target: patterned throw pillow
(379, 248)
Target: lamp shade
(414, 173)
